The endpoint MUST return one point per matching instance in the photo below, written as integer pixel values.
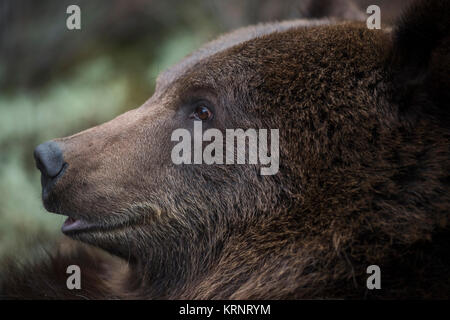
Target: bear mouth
(72, 225)
(75, 225)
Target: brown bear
(363, 177)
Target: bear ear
(421, 58)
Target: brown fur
(364, 172)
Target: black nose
(50, 161)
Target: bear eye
(202, 113)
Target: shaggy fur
(364, 173)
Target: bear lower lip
(73, 225)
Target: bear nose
(50, 161)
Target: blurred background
(55, 82)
